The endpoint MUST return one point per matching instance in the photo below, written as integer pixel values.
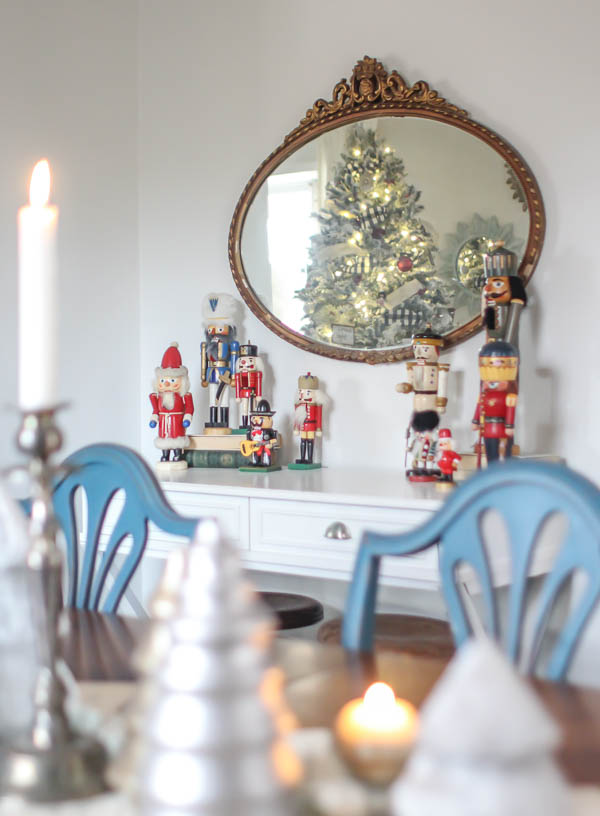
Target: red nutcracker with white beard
(172, 409)
(248, 381)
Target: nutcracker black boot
(302, 460)
(165, 455)
(311, 445)
(177, 454)
(213, 416)
(224, 420)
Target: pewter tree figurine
(207, 741)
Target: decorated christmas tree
(371, 279)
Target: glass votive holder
(375, 734)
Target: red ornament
(405, 263)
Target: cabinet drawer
(230, 511)
(293, 533)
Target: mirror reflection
(376, 228)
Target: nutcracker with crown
(261, 441)
(503, 297)
(427, 379)
(248, 381)
(219, 355)
(308, 421)
(172, 409)
(494, 416)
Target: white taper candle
(38, 296)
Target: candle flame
(39, 189)
(379, 697)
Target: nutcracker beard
(168, 400)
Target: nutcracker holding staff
(219, 353)
(495, 412)
(427, 379)
(248, 381)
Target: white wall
(220, 85)
(68, 85)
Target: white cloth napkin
(484, 746)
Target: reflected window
(290, 224)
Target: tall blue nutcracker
(219, 352)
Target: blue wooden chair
(526, 495)
(102, 471)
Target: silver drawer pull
(337, 529)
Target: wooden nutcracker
(248, 381)
(261, 439)
(494, 416)
(218, 356)
(172, 409)
(308, 420)
(448, 459)
(503, 297)
(427, 379)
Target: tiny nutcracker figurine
(427, 378)
(219, 354)
(448, 459)
(503, 297)
(308, 419)
(495, 413)
(261, 438)
(248, 381)
(172, 408)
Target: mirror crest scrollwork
(371, 218)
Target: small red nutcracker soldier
(248, 381)
(172, 408)
(449, 459)
(495, 413)
(308, 419)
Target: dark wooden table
(321, 678)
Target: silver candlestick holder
(51, 762)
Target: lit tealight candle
(38, 295)
(376, 733)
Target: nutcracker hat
(220, 308)
(262, 409)
(308, 381)
(427, 337)
(171, 365)
(249, 350)
(445, 433)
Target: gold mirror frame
(373, 92)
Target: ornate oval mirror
(370, 221)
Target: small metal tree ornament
(51, 761)
(207, 741)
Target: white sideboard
(278, 522)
